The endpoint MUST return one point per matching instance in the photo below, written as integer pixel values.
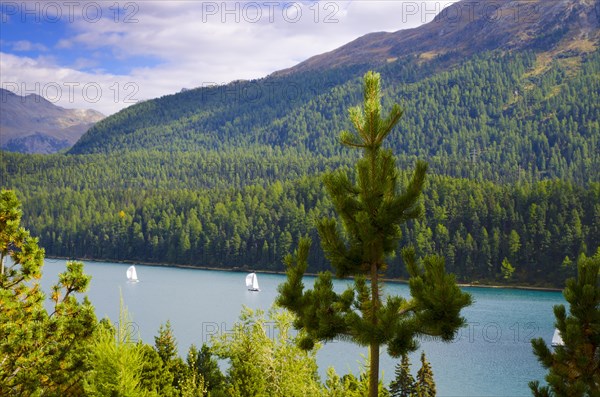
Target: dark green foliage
(166, 347)
(225, 191)
(239, 114)
(502, 117)
(155, 377)
(165, 343)
(208, 368)
(403, 384)
(437, 300)
(228, 226)
(574, 368)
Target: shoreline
(245, 270)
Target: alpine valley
(502, 103)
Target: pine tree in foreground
(574, 368)
(43, 345)
(404, 383)
(371, 208)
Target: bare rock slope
(31, 124)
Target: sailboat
(132, 274)
(557, 339)
(252, 282)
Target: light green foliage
(193, 385)
(567, 262)
(117, 360)
(263, 358)
(349, 385)
(165, 343)
(574, 368)
(124, 366)
(334, 385)
(41, 352)
(507, 269)
(514, 244)
(371, 206)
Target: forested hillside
(229, 176)
(247, 210)
(506, 113)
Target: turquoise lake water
(492, 356)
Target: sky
(107, 55)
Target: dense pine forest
(229, 176)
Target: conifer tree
(404, 383)
(116, 359)
(42, 352)
(574, 367)
(193, 384)
(208, 367)
(371, 209)
(165, 345)
(425, 385)
(155, 377)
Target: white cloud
(25, 45)
(66, 87)
(196, 42)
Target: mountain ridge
(468, 27)
(32, 124)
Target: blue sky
(106, 55)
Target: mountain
(32, 124)
(559, 35)
(504, 95)
(466, 28)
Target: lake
(492, 356)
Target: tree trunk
(374, 347)
(374, 370)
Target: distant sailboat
(557, 339)
(252, 282)
(132, 274)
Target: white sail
(252, 282)
(557, 339)
(132, 274)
